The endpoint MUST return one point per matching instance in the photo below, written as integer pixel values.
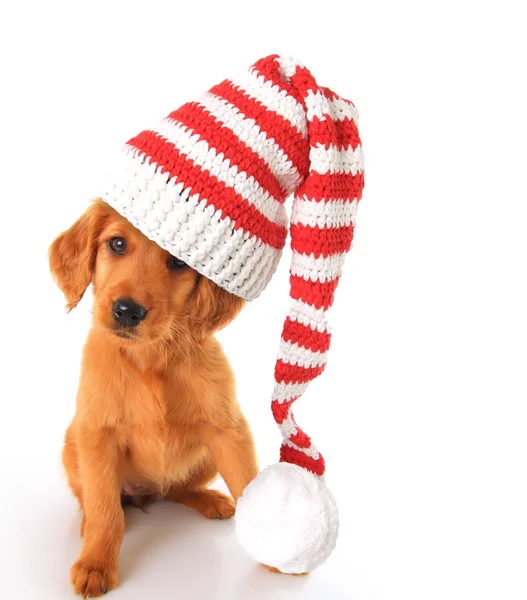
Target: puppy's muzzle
(128, 313)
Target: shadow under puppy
(156, 414)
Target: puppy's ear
(211, 308)
(72, 255)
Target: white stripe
(250, 134)
(310, 316)
(288, 66)
(332, 213)
(294, 354)
(287, 426)
(333, 160)
(279, 101)
(199, 151)
(338, 109)
(186, 227)
(317, 269)
(286, 391)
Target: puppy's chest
(161, 430)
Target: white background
(421, 413)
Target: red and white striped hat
(209, 184)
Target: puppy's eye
(117, 245)
(174, 263)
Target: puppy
(156, 412)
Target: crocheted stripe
(274, 99)
(308, 315)
(332, 159)
(184, 139)
(247, 131)
(295, 353)
(273, 124)
(297, 457)
(216, 194)
(283, 392)
(321, 241)
(338, 186)
(322, 133)
(305, 336)
(319, 295)
(288, 373)
(302, 440)
(337, 109)
(226, 142)
(324, 213)
(317, 270)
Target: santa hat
(209, 184)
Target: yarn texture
(288, 519)
(209, 184)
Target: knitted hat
(209, 185)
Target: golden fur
(156, 410)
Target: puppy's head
(141, 292)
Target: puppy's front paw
(91, 579)
(210, 503)
(215, 505)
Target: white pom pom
(287, 519)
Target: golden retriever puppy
(156, 412)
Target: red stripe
(341, 134)
(332, 186)
(281, 409)
(321, 241)
(296, 457)
(316, 293)
(274, 125)
(244, 215)
(330, 95)
(300, 439)
(306, 337)
(222, 138)
(304, 81)
(287, 373)
(269, 68)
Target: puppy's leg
(194, 494)
(71, 465)
(234, 455)
(101, 468)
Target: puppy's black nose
(127, 312)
